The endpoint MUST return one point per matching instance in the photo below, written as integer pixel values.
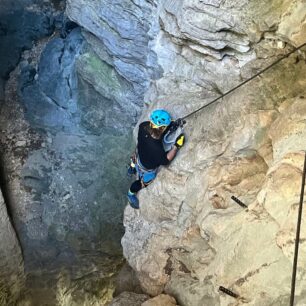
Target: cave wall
(66, 121)
(71, 98)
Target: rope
(297, 239)
(246, 81)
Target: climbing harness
(244, 82)
(148, 175)
(145, 175)
(297, 239)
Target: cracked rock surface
(189, 236)
(65, 122)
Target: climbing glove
(174, 125)
(179, 142)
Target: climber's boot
(133, 200)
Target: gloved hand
(179, 142)
(177, 123)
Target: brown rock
(160, 300)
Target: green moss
(101, 75)
(260, 135)
(4, 295)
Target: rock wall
(189, 237)
(120, 34)
(11, 264)
(24, 17)
(65, 121)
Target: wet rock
(56, 75)
(60, 174)
(11, 264)
(55, 87)
(101, 98)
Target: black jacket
(150, 150)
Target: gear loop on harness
(146, 176)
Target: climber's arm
(179, 142)
(171, 154)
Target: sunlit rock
(189, 236)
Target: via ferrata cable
(246, 81)
(297, 238)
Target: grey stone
(57, 78)
(55, 89)
(188, 236)
(11, 263)
(121, 35)
(19, 27)
(67, 212)
(129, 299)
(118, 24)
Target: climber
(150, 152)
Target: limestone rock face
(207, 47)
(11, 264)
(120, 61)
(189, 237)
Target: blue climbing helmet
(159, 118)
